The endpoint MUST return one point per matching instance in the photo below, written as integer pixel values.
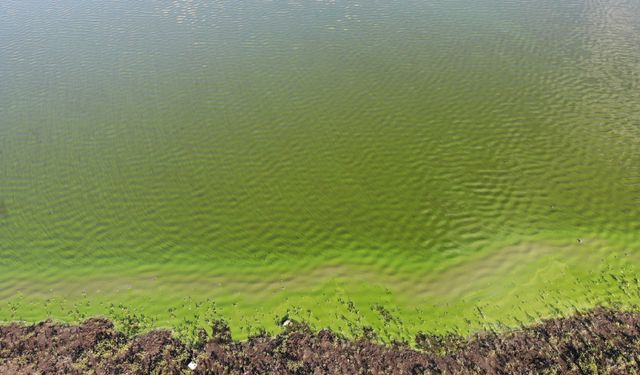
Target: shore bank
(595, 342)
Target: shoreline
(601, 340)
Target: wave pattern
(250, 143)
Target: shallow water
(434, 156)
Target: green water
(459, 162)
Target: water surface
(439, 157)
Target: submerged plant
(129, 321)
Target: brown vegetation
(600, 341)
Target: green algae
(460, 166)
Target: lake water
(452, 160)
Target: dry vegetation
(596, 342)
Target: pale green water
(433, 156)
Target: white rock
(287, 323)
(192, 365)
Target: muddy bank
(600, 341)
